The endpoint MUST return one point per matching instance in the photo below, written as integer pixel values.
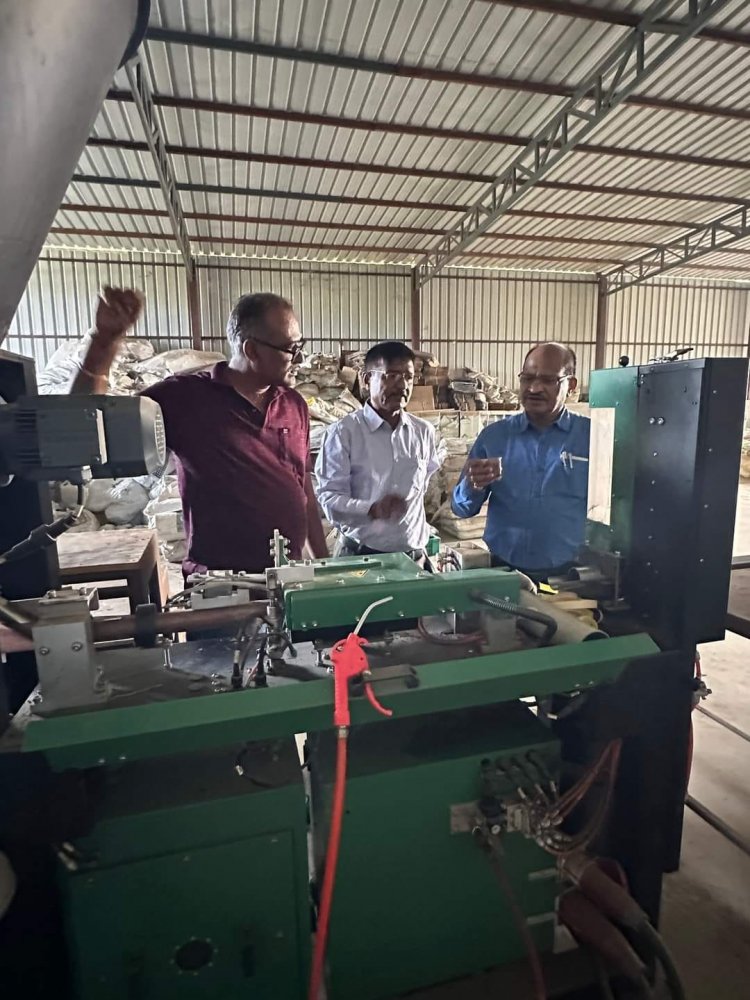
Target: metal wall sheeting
(481, 318)
(337, 307)
(490, 321)
(651, 320)
(59, 300)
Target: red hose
(331, 864)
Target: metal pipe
(723, 722)
(247, 156)
(569, 628)
(718, 824)
(329, 199)
(357, 63)
(416, 307)
(246, 192)
(713, 199)
(346, 247)
(194, 309)
(590, 12)
(158, 213)
(56, 62)
(15, 619)
(430, 132)
(409, 253)
(115, 629)
(600, 348)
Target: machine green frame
(93, 738)
(343, 589)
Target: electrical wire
(331, 864)
(562, 845)
(655, 943)
(242, 771)
(608, 761)
(493, 850)
(510, 608)
(602, 977)
(46, 534)
(337, 820)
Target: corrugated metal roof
(298, 210)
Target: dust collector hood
(57, 60)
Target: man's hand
(118, 310)
(480, 472)
(389, 508)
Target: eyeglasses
(395, 376)
(548, 380)
(296, 351)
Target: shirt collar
(564, 421)
(219, 374)
(374, 421)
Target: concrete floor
(706, 918)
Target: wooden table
(129, 554)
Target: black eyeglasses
(549, 380)
(296, 351)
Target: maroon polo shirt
(241, 473)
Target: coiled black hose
(501, 604)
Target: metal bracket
(403, 673)
(144, 102)
(714, 236)
(624, 70)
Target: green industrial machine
(193, 879)
(414, 903)
(199, 830)
(193, 882)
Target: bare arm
(117, 311)
(315, 537)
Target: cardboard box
(423, 398)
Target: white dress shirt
(361, 461)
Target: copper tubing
(611, 899)
(590, 927)
(114, 629)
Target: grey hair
(248, 312)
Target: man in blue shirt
(537, 490)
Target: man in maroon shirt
(239, 433)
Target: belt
(356, 549)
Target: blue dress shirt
(537, 509)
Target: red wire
(331, 864)
(532, 953)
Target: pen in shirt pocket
(568, 458)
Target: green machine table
(194, 879)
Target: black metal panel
(649, 708)
(687, 439)
(23, 504)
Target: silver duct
(57, 60)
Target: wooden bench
(129, 554)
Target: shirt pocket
(572, 479)
(412, 476)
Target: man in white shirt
(374, 465)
